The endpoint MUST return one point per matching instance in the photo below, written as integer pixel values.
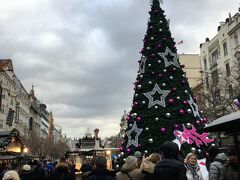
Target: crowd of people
(36, 170)
(168, 166)
(165, 166)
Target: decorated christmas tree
(164, 108)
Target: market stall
(12, 147)
(230, 125)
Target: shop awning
(8, 155)
(229, 123)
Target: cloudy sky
(81, 55)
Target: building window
(11, 102)
(1, 123)
(214, 57)
(230, 91)
(205, 64)
(228, 72)
(2, 109)
(207, 83)
(236, 40)
(215, 77)
(225, 50)
(216, 97)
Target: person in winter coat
(86, 169)
(11, 175)
(37, 171)
(170, 168)
(148, 165)
(61, 172)
(216, 166)
(129, 170)
(231, 169)
(100, 170)
(26, 173)
(193, 169)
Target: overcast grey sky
(81, 55)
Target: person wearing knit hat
(11, 175)
(148, 165)
(139, 156)
(231, 169)
(26, 167)
(130, 170)
(26, 173)
(170, 168)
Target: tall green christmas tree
(163, 108)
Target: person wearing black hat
(37, 171)
(170, 168)
(231, 169)
(100, 170)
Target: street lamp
(25, 150)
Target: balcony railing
(212, 66)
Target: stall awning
(8, 155)
(229, 123)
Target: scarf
(193, 169)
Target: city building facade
(192, 68)
(220, 67)
(22, 111)
(7, 90)
(219, 60)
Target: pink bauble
(153, 54)
(176, 126)
(139, 145)
(135, 103)
(159, 75)
(174, 89)
(170, 101)
(205, 120)
(174, 69)
(185, 102)
(163, 130)
(139, 118)
(181, 111)
(198, 122)
(183, 81)
(158, 45)
(128, 150)
(207, 154)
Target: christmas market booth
(230, 125)
(12, 147)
